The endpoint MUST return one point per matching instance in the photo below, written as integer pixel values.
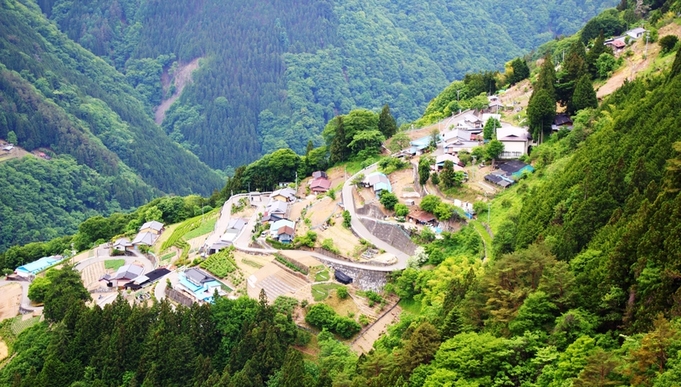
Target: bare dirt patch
(322, 210)
(403, 183)
(181, 77)
(343, 239)
(15, 153)
(366, 340)
(249, 264)
(4, 351)
(10, 299)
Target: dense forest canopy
(107, 153)
(273, 73)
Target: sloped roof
(318, 174)
(144, 238)
(320, 183)
(287, 230)
(277, 207)
(128, 272)
(122, 242)
(197, 276)
(288, 193)
(274, 228)
(513, 166)
(236, 224)
(446, 157)
(154, 225)
(421, 216)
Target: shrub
(342, 293)
(388, 199)
(667, 43)
(347, 219)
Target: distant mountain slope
(276, 72)
(57, 96)
(60, 96)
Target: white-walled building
(516, 141)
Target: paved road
(160, 290)
(362, 231)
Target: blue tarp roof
(36, 267)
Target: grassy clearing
(252, 263)
(113, 264)
(321, 291)
(203, 229)
(322, 276)
(410, 307)
(486, 238)
(168, 256)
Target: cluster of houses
(618, 43)
(132, 277)
(276, 213)
(147, 235)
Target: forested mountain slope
(56, 96)
(275, 72)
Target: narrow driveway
(362, 231)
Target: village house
(124, 274)
(320, 185)
(635, 33)
(421, 217)
(275, 210)
(277, 227)
(562, 120)
(144, 239)
(284, 195)
(286, 234)
(122, 245)
(153, 227)
(516, 141)
(378, 182)
(199, 284)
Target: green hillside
(275, 72)
(58, 97)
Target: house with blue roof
(36, 267)
(418, 146)
(378, 181)
(199, 284)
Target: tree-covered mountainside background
(107, 152)
(80, 80)
(273, 73)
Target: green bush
(342, 293)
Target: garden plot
(92, 273)
(275, 281)
(343, 239)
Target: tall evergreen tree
(547, 78)
(594, 53)
(584, 96)
(520, 70)
(540, 112)
(572, 70)
(386, 122)
(339, 146)
(676, 66)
